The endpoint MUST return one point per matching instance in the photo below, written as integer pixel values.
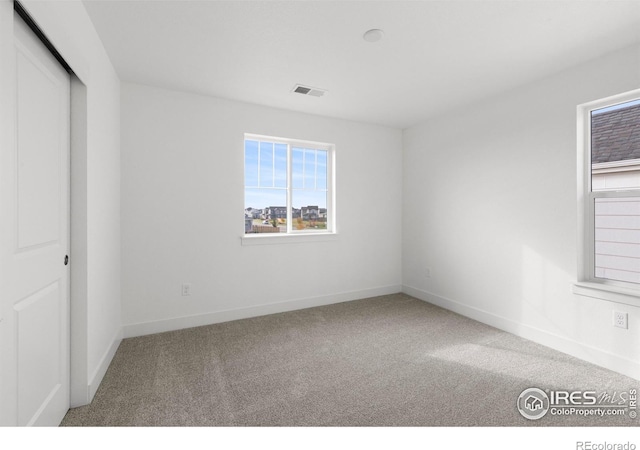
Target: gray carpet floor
(384, 361)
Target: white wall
(183, 206)
(490, 207)
(96, 304)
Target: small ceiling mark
(373, 35)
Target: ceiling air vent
(307, 90)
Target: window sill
(608, 293)
(287, 238)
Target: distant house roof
(615, 135)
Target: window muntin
(288, 186)
(610, 145)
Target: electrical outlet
(620, 319)
(186, 289)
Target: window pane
(615, 147)
(309, 169)
(251, 163)
(297, 168)
(280, 166)
(265, 208)
(617, 239)
(266, 164)
(321, 177)
(309, 210)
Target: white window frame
(292, 235)
(587, 283)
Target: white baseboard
(179, 323)
(103, 365)
(563, 344)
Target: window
(288, 186)
(609, 191)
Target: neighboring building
(280, 212)
(310, 213)
(615, 165)
(313, 213)
(615, 149)
(253, 213)
(274, 212)
(615, 135)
